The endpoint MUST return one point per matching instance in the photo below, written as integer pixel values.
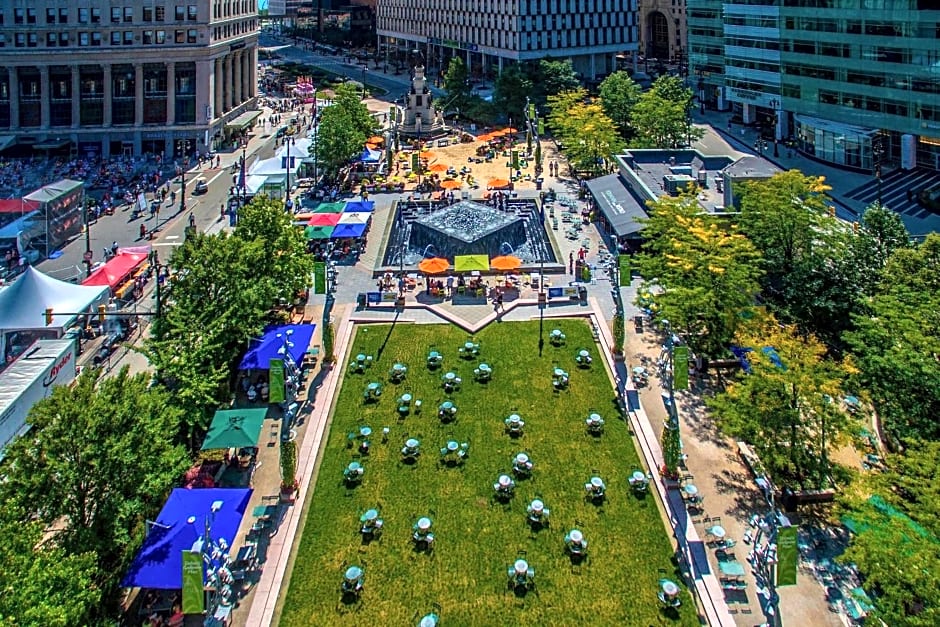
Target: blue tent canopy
(348, 230)
(269, 347)
(181, 523)
(370, 156)
(359, 205)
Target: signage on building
(237, 46)
(744, 94)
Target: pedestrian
(222, 211)
(143, 231)
(192, 220)
(114, 247)
(499, 300)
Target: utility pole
(182, 191)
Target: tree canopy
(456, 83)
(661, 116)
(587, 134)
(511, 88)
(619, 94)
(343, 130)
(701, 273)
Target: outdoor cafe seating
(451, 382)
(421, 532)
(362, 437)
(483, 373)
(639, 481)
(397, 373)
(669, 593)
(560, 379)
(595, 488)
(404, 403)
(447, 411)
(469, 350)
(521, 575)
(454, 452)
(353, 472)
(411, 450)
(522, 465)
(583, 358)
(575, 543)
(557, 338)
(640, 376)
(504, 486)
(372, 392)
(435, 360)
(537, 513)
(369, 523)
(429, 620)
(353, 580)
(595, 424)
(359, 363)
(514, 424)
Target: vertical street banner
(541, 127)
(416, 162)
(515, 159)
(531, 111)
(319, 277)
(625, 272)
(194, 596)
(276, 390)
(680, 368)
(393, 114)
(787, 556)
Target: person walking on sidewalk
(192, 220)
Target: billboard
(60, 205)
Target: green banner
(194, 596)
(680, 368)
(276, 393)
(541, 127)
(393, 113)
(515, 159)
(416, 162)
(319, 277)
(787, 556)
(625, 272)
(531, 111)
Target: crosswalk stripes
(894, 190)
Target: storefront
(841, 144)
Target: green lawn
(477, 537)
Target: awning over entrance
(618, 204)
(242, 121)
(6, 141)
(52, 144)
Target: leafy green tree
(344, 128)
(553, 77)
(700, 272)
(456, 84)
(784, 407)
(41, 583)
(880, 233)
(99, 461)
(286, 262)
(661, 117)
(896, 343)
(511, 88)
(588, 136)
(619, 94)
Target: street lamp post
(672, 443)
(88, 254)
(290, 141)
(182, 192)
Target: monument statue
(420, 117)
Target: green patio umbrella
(234, 428)
(318, 232)
(466, 263)
(330, 207)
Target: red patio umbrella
(324, 219)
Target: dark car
(930, 198)
(281, 132)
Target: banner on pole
(680, 368)
(531, 111)
(515, 159)
(319, 277)
(416, 162)
(276, 391)
(194, 596)
(625, 272)
(787, 556)
(541, 127)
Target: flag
(194, 596)
(276, 390)
(680, 367)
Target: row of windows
(871, 79)
(92, 15)
(879, 105)
(123, 38)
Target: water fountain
(424, 229)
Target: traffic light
(48, 316)
(101, 311)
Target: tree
(553, 77)
(880, 233)
(511, 88)
(784, 406)
(99, 461)
(897, 340)
(701, 273)
(284, 250)
(588, 136)
(456, 83)
(661, 117)
(619, 94)
(343, 130)
(41, 583)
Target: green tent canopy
(467, 263)
(319, 232)
(330, 207)
(234, 428)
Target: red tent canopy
(116, 271)
(18, 205)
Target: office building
(490, 33)
(663, 30)
(852, 82)
(106, 78)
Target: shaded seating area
(504, 487)
(557, 338)
(537, 514)
(361, 438)
(560, 379)
(514, 425)
(469, 349)
(404, 404)
(353, 473)
(421, 533)
(483, 373)
(595, 489)
(639, 482)
(595, 424)
(521, 575)
(360, 363)
(522, 465)
(447, 411)
(669, 593)
(370, 523)
(397, 373)
(583, 358)
(411, 450)
(451, 382)
(454, 452)
(575, 543)
(372, 393)
(435, 359)
(353, 581)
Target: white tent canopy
(23, 304)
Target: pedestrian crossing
(895, 188)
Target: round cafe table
(353, 573)
(424, 523)
(583, 354)
(558, 372)
(594, 417)
(718, 531)
(575, 536)
(369, 516)
(360, 357)
(354, 467)
(406, 398)
(638, 476)
(537, 506)
(513, 418)
(428, 621)
(365, 431)
(469, 346)
(521, 567)
(447, 405)
(522, 458)
(597, 482)
(484, 367)
(411, 443)
(452, 446)
(373, 386)
(398, 367)
(556, 333)
(690, 489)
(504, 481)
(450, 376)
(670, 589)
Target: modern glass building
(858, 81)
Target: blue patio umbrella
(348, 230)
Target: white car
(201, 186)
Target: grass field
(477, 537)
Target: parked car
(930, 198)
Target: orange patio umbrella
(439, 167)
(372, 146)
(434, 265)
(509, 130)
(505, 262)
(485, 137)
(497, 183)
(375, 139)
(427, 154)
(451, 184)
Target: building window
(148, 14)
(63, 39)
(115, 15)
(191, 36)
(32, 40)
(180, 36)
(63, 16)
(128, 15)
(160, 13)
(50, 16)
(18, 16)
(148, 37)
(20, 40)
(51, 40)
(180, 13)
(30, 16)
(96, 39)
(83, 16)
(95, 15)
(128, 38)
(3, 40)
(115, 38)
(192, 13)
(161, 37)
(83, 39)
